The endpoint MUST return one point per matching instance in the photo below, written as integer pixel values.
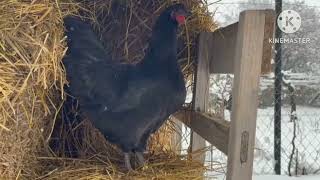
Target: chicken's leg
(127, 161)
(140, 158)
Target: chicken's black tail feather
(83, 41)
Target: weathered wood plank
(222, 44)
(201, 93)
(176, 138)
(247, 69)
(268, 53)
(214, 130)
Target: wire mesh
(299, 109)
(301, 127)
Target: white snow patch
(274, 177)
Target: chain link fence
(298, 109)
(300, 116)
(300, 125)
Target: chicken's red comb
(180, 19)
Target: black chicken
(127, 102)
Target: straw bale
(31, 49)
(36, 141)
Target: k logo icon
(289, 21)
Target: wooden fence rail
(243, 49)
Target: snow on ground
(273, 177)
(307, 142)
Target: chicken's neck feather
(162, 50)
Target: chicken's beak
(188, 14)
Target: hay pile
(32, 45)
(31, 48)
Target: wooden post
(176, 139)
(204, 125)
(248, 43)
(201, 93)
(247, 69)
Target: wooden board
(247, 68)
(268, 52)
(222, 44)
(176, 138)
(201, 94)
(222, 47)
(250, 50)
(214, 130)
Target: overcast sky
(225, 7)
